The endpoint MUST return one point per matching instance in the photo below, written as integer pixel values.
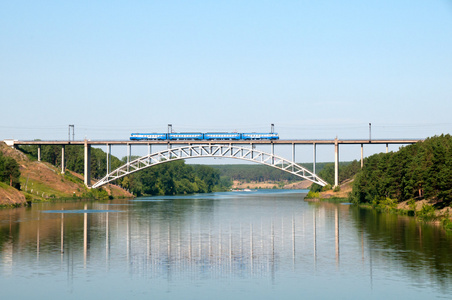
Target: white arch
(210, 150)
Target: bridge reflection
(160, 247)
(184, 244)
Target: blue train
(208, 136)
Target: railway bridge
(187, 149)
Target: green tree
(9, 171)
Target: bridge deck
(197, 142)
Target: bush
(447, 223)
(427, 212)
(386, 204)
(326, 188)
(312, 194)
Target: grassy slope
(9, 196)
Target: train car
(209, 136)
(260, 136)
(222, 136)
(148, 136)
(186, 136)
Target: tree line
(419, 171)
(261, 173)
(174, 178)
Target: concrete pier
(336, 163)
(362, 156)
(314, 158)
(63, 167)
(108, 158)
(129, 153)
(87, 169)
(273, 151)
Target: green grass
(39, 188)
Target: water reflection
(173, 236)
(271, 236)
(421, 250)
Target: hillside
(419, 171)
(304, 184)
(42, 181)
(9, 196)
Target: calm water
(255, 245)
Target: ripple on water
(80, 211)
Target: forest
(175, 178)
(419, 171)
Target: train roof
(213, 132)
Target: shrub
(326, 188)
(427, 212)
(312, 194)
(386, 204)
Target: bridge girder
(210, 150)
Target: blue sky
(316, 69)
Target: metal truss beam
(216, 150)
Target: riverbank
(424, 210)
(341, 192)
(42, 181)
(299, 185)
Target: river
(267, 244)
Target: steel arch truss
(218, 151)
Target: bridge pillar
(336, 163)
(63, 167)
(87, 169)
(39, 152)
(362, 156)
(149, 153)
(129, 151)
(386, 147)
(293, 156)
(273, 153)
(314, 158)
(108, 158)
